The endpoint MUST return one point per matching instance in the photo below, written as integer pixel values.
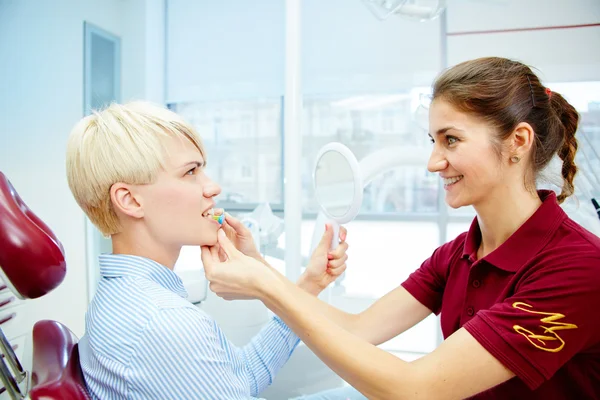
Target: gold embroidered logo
(549, 335)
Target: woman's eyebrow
(199, 164)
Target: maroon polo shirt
(533, 303)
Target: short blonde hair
(121, 143)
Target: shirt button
(470, 311)
(476, 283)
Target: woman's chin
(206, 239)
(209, 241)
(454, 201)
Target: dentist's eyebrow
(441, 131)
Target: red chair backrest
(56, 372)
(31, 256)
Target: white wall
(229, 49)
(345, 49)
(234, 49)
(41, 98)
(565, 52)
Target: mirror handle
(335, 240)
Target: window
(102, 65)
(243, 140)
(400, 223)
(367, 123)
(585, 97)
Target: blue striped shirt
(144, 340)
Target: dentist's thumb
(326, 239)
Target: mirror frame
(358, 181)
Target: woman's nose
(437, 162)
(211, 189)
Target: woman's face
(464, 155)
(175, 206)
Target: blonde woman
(137, 171)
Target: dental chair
(32, 263)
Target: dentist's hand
(240, 236)
(240, 276)
(325, 266)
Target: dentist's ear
(521, 140)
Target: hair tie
(531, 92)
(549, 92)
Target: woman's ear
(125, 201)
(521, 140)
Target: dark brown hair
(505, 93)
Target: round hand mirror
(338, 185)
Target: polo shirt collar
(124, 265)
(526, 242)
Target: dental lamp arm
(383, 160)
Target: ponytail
(569, 119)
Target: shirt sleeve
(195, 360)
(268, 352)
(427, 283)
(551, 317)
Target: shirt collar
(526, 242)
(124, 265)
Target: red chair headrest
(56, 372)
(31, 257)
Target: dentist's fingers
(209, 254)
(221, 254)
(343, 233)
(227, 246)
(339, 251)
(338, 262)
(228, 229)
(209, 260)
(235, 223)
(337, 271)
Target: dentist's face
(464, 155)
(175, 206)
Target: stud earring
(515, 159)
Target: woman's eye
(451, 139)
(191, 171)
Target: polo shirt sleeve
(551, 317)
(427, 283)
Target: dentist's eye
(431, 140)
